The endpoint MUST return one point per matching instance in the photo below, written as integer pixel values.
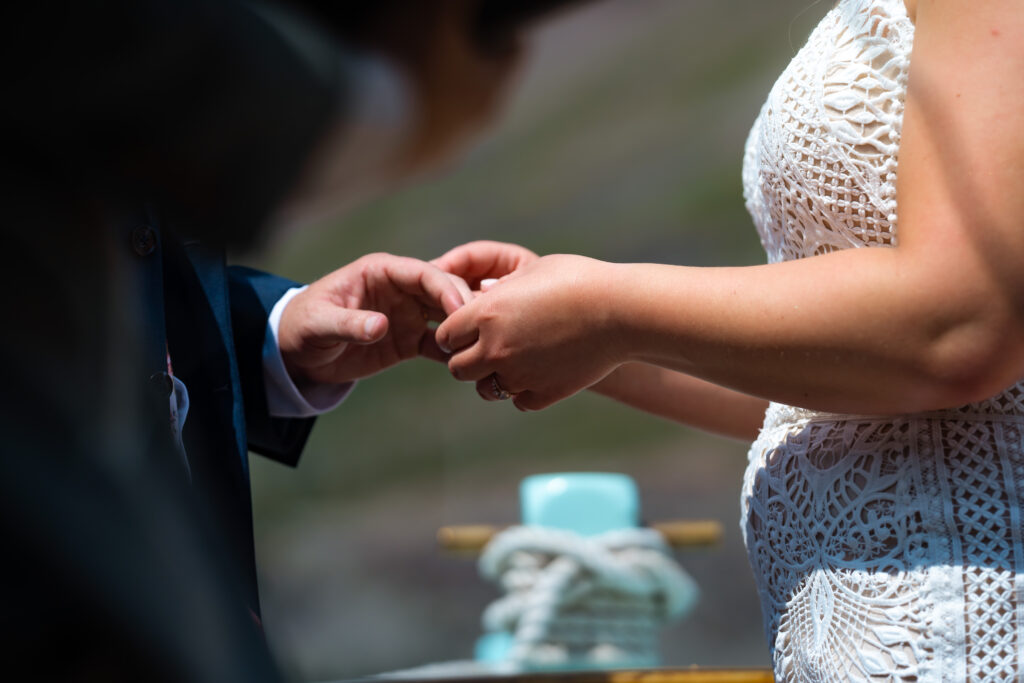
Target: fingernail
(487, 283)
(370, 326)
(443, 347)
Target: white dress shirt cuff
(284, 399)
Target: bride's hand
(542, 334)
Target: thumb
(346, 326)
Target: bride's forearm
(866, 330)
(873, 330)
(685, 399)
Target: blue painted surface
(493, 647)
(589, 503)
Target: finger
(463, 287)
(328, 325)
(468, 365)
(484, 259)
(430, 350)
(459, 329)
(485, 390)
(476, 260)
(430, 284)
(490, 388)
(529, 401)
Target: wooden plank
(694, 675)
(668, 675)
(687, 533)
(471, 538)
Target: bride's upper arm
(961, 160)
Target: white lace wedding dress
(884, 549)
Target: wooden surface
(687, 675)
(471, 538)
(694, 675)
(688, 533)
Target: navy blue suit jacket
(118, 566)
(211, 319)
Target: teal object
(493, 647)
(588, 503)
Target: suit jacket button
(143, 240)
(161, 383)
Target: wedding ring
(498, 392)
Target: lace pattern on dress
(884, 549)
(830, 132)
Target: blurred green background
(622, 141)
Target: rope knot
(582, 602)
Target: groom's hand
(365, 317)
(484, 260)
(542, 333)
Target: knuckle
(500, 354)
(489, 309)
(375, 262)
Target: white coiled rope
(582, 602)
